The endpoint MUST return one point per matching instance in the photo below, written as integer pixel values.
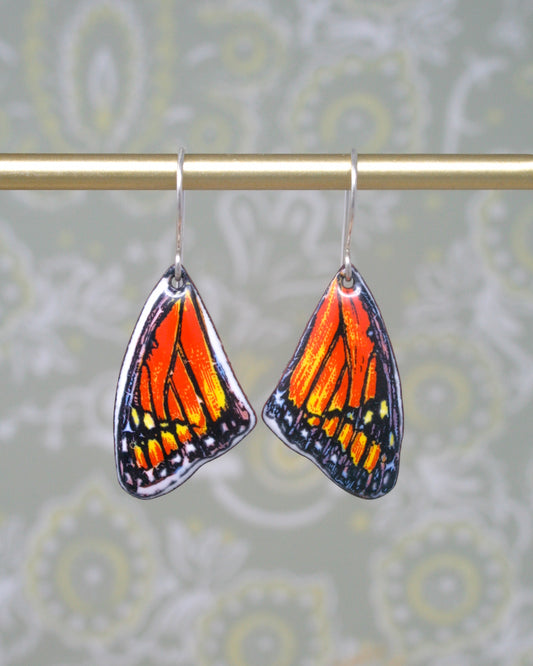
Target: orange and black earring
(178, 403)
(339, 400)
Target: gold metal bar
(263, 172)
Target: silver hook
(349, 214)
(179, 215)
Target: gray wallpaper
(258, 559)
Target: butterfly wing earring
(339, 400)
(178, 403)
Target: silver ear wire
(349, 214)
(179, 215)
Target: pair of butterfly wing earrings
(179, 405)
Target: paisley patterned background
(258, 559)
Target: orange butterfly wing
(178, 402)
(339, 400)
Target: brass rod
(20, 171)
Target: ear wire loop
(179, 216)
(349, 214)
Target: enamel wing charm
(178, 403)
(339, 400)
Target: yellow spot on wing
(135, 416)
(384, 409)
(183, 432)
(368, 416)
(149, 421)
(155, 453)
(169, 441)
(372, 457)
(345, 435)
(358, 447)
(139, 457)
